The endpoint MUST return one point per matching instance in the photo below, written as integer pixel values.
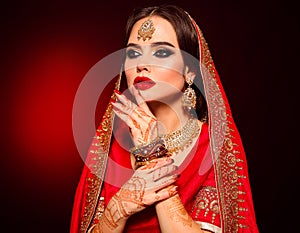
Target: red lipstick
(143, 83)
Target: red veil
(226, 150)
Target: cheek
(173, 73)
(129, 67)
(175, 65)
(174, 78)
(129, 77)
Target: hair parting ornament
(147, 29)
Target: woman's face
(155, 66)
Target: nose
(143, 65)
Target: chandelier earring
(189, 96)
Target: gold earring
(189, 96)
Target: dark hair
(187, 40)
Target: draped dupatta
(229, 161)
(231, 171)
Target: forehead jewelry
(146, 30)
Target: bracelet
(146, 152)
(146, 148)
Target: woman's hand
(142, 123)
(149, 184)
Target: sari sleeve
(205, 208)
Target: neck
(170, 118)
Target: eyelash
(160, 53)
(131, 54)
(163, 53)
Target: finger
(165, 181)
(124, 117)
(125, 101)
(163, 194)
(148, 130)
(163, 171)
(126, 109)
(167, 192)
(152, 129)
(134, 122)
(130, 117)
(139, 99)
(144, 109)
(134, 115)
(156, 163)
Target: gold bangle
(146, 152)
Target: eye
(131, 53)
(163, 53)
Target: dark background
(48, 46)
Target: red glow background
(48, 46)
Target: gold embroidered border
(207, 201)
(96, 162)
(224, 148)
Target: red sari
(146, 221)
(214, 184)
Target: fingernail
(117, 92)
(173, 191)
(112, 100)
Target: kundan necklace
(183, 137)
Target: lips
(143, 83)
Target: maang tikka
(189, 96)
(147, 29)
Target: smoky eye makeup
(163, 52)
(132, 53)
(160, 49)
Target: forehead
(164, 31)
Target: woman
(165, 159)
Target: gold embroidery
(131, 194)
(207, 201)
(97, 228)
(177, 212)
(93, 183)
(225, 150)
(100, 208)
(96, 162)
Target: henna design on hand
(177, 212)
(112, 215)
(137, 126)
(149, 184)
(149, 129)
(157, 197)
(172, 190)
(130, 196)
(138, 117)
(98, 228)
(133, 191)
(141, 113)
(150, 165)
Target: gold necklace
(183, 137)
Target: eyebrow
(155, 44)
